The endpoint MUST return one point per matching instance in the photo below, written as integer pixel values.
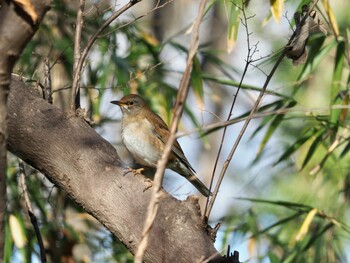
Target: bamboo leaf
(295, 146)
(197, 82)
(273, 257)
(336, 82)
(232, 30)
(273, 127)
(345, 150)
(331, 17)
(277, 7)
(315, 55)
(290, 205)
(17, 232)
(8, 244)
(306, 225)
(234, 83)
(282, 221)
(318, 140)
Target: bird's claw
(134, 171)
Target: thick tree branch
(17, 26)
(73, 156)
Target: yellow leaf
(27, 7)
(306, 225)
(231, 41)
(251, 247)
(17, 232)
(232, 30)
(150, 39)
(277, 7)
(331, 17)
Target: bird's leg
(134, 171)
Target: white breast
(137, 140)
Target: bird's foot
(149, 184)
(134, 171)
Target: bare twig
(251, 115)
(32, 217)
(250, 53)
(75, 98)
(79, 66)
(181, 97)
(222, 124)
(158, 6)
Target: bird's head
(130, 104)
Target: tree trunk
(18, 24)
(73, 156)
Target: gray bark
(16, 29)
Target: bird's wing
(161, 131)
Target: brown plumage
(144, 134)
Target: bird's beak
(118, 102)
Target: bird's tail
(198, 184)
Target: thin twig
(222, 124)
(75, 98)
(250, 54)
(157, 6)
(251, 115)
(32, 217)
(181, 97)
(76, 76)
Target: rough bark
(73, 156)
(17, 26)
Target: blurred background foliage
(286, 194)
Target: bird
(144, 134)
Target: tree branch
(73, 156)
(17, 26)
(75, 99)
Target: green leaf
(232, 28)
(273, 127)
(273, 257)
(295, 146)
(315, 55)
(282, 221)
(196, 81)
(318, 140)
(336, 82)
(8, 244)
(234, 83)
(290, 205)
(345, 150)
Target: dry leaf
(296, 50)
(27, 7)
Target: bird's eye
(131, 103)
